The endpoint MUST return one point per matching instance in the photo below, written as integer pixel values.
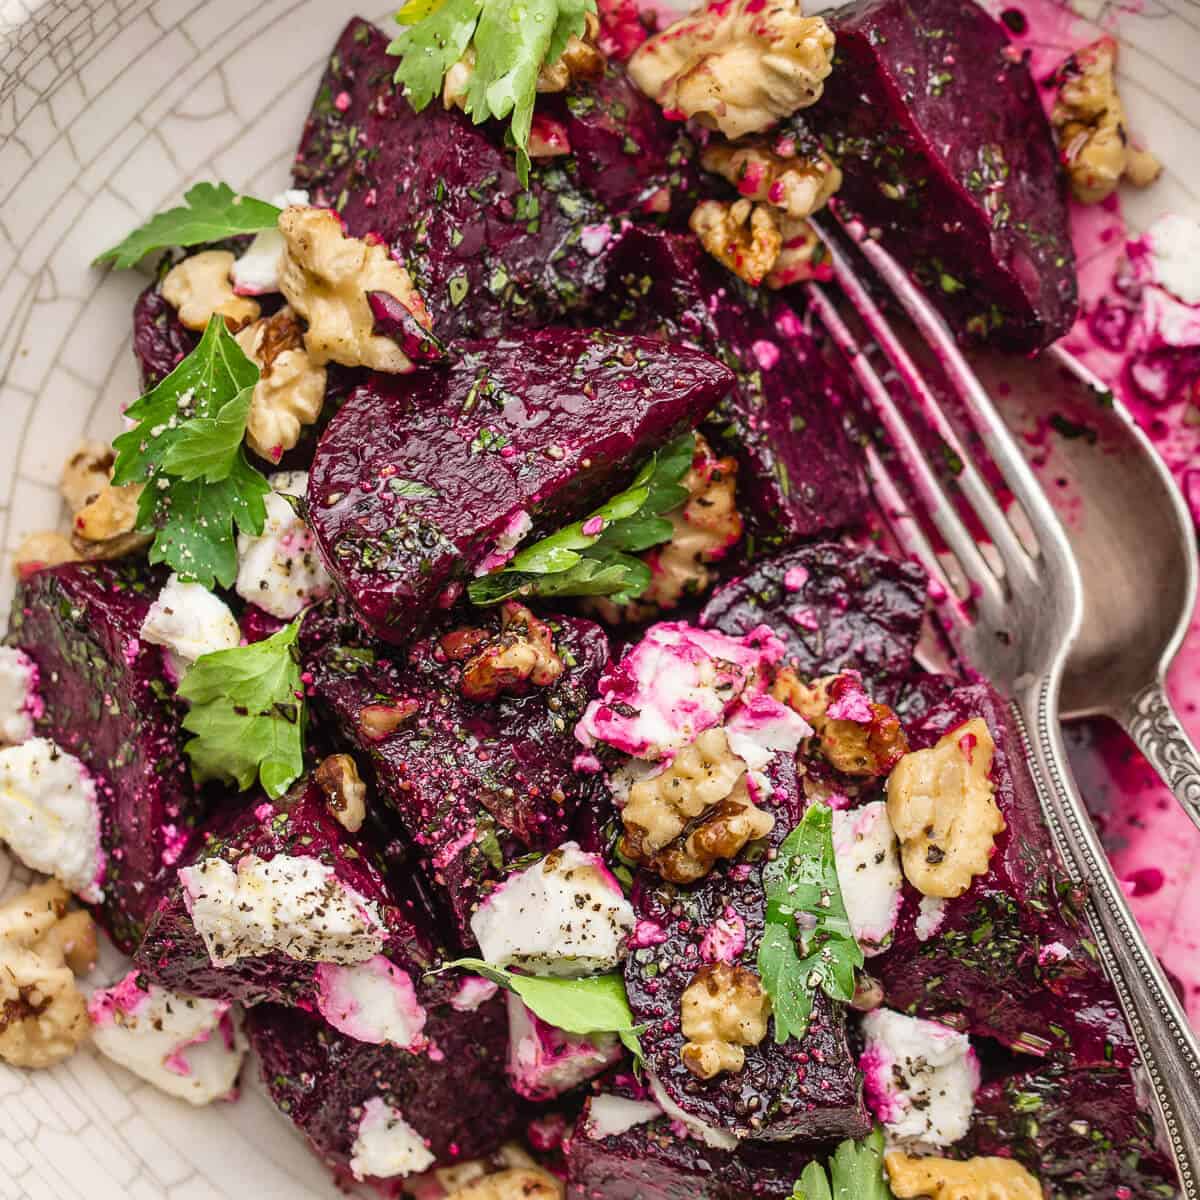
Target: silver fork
(1025, 609)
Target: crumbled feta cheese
(256, 272)
(920, 1077)
(296, 906)
(565, 915)
(869, 874)
(473, 992)
(710, 1135)
(386, 1145)
(517, 526)
(931, 912)
(1174, 242)
(677, 682)
(189, 621)
(761, 727)
(724, 940)
(544, 1062)
(49, 815)
(280, 569)
(187, 1047)
(606, 1116)
(374, 1001)
(20, 704)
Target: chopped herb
(458, 287)
(1067, 428)
(410, 489)
(855, 1172)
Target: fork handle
(1154, 725)
(1170, 1054)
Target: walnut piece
(942, 807)
(799, 185)
(742, 236)
(1089, 119)
(345, 793)
(723, 832)
(326, 277)
(513, 1183)
(974, 1179)
(85, 474)
(801, 257)
(290, 392)
(738, 65)
(43, 1015)
(868, 746)
(199, 287)
(103, 516)
(45, 549)
(722, 1010)
(520, 655)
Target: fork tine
(987, 509)
(929, 488)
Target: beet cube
(160, 340)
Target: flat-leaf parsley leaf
(807, 942)
(210, 213)
(855, 1172)
(247, 713)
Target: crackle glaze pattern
(109, 109)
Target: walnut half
(942, 806)
(946, 1179)
(740, 235)
(798, 185)
(522, 654)
(722, 1010)
(199, 288)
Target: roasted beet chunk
(425, 479)
(108, 703)
(378, 1112)
(476, 784)
(967, 189)
(160, 341)
(287, 906)
(1082, 1133)
(1010, 958)
(836, 607)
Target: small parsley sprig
(247, 713)
(595, 556)
(807, 942)
(512, 41)
(855, 1172)
(187, 450)
(597, 1004)
(211, 212)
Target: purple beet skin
(422, 480)
(1011, 958)
(299, 824)
(160, 340)
(108, 703)
(453, 1094)
(1084, 1134)
(475, 784)
(807, 1089)
(836, 607)
(798, 471)
(969, 195)
(485, 253)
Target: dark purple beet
(108, 703)
(652, 1162)
(160, 341)
(802, 1089)
(454, 1095)
(1012, 957)
(1082, 1133)
(474, 784)
(969, 195)
(394, 320)
(485, 253)
(174, 955)
(798, 472)
(835, 606)
(419, 476)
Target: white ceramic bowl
(109, 109)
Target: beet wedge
(422, 481)
(968, 193)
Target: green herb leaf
(597, 1004)
(805, 909)
(211, 212)
(855, 1172)
(248, 713)
(570, 562)
(431, 45)
(187, 449)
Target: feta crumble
(931, 912)
(565, 915)
(185, 1046)
(256, 272)
(20, 704)
(295, 906)
(374, 1001)
(1174, 242)
(869, 874)
(607, 1115)
(50, 816)
(189, 621)
(544, 1061)
(280, 569)
(386, 1145)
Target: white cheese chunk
(190, 621)
(931, 912)
(386, 1145)
(607, 1116)
(293, 906)
(920, 1077)
(50, 817)
(1174, 242)
(256, 272)
(565, 915)
(374, 1001)
(185, 1046)
(869, 873)
(544, 1061)
(280, 570)
(20, 704)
